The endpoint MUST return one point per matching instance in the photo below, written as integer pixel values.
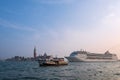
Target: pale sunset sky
(59, 27)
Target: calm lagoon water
(73, 71)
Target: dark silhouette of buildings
(34, 58)
(34, 53)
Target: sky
(58, 27)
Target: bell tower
(34, 53)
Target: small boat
(52, 62)
(49, 60)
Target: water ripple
(74, 71)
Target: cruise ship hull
(75, 59)
(84, 56)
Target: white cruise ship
(79, 56)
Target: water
(73, 71)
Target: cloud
(8, 24)
(7, 11)
(54, 1)
(109, 28)
(102, 37)
(112, 18)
